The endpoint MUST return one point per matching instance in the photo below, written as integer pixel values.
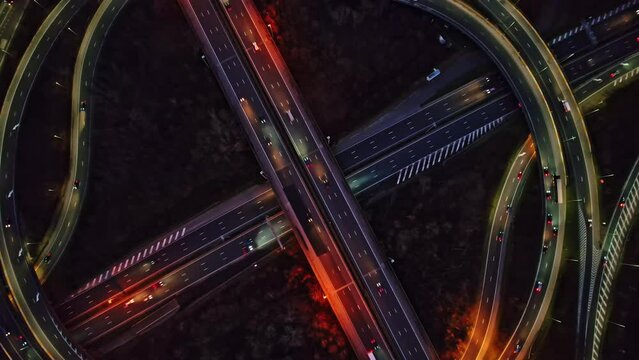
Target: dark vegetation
(435, 228)
(165, 144)
(613, 132)
(353, 58)
(42, 162)
(276, 311)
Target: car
(20, 254)
(157, 285)
(242, 100)
(247, 246)
(375, 345)
(591, 62)
(566, 106)
(309, 219)
(614, 74)
(307, 161)
(226, 3)
(268, 141)
(518, 347)
(47, 258)
(546, 171)
(23, 342)
(555, 230)
(622, 202)
(548, 195)
(83, 105)
(520, 175)
(126, 304)
(255, 46)
(508, 208)
(7, 223)
(148, 297)
(76, 184)
(549, 218)
(380, 289)
(604, 261)
(539, 286)
(324, 179)
(262, 120)
(545, 247)
(500, 236)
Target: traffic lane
(293, 179)
(578, 150)
(408, 109)
(583, 59)
(224, 216)
(242, 86)
(350, 231)
(497, 239)
(144, 273)
(20, 278)
(297, 130)
(353, 304)
(394, 314)
(616, 24)
(174, 283)
(14, 333)
(213, 29)
(424, 119)
(172, 252)
(610, 52)
(604, 79)
(387, 167)
(572, 45)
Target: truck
(560, 193)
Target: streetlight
(571, 138)
(270, 31)
(601, 178)
(56, 136)
(60, 85)
(71, 30)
